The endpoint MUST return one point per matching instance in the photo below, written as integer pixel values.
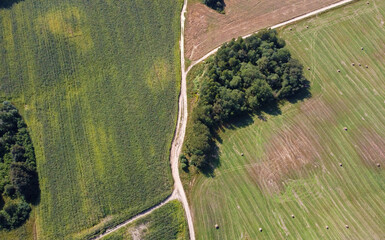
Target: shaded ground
(207, 29)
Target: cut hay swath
(264, 188)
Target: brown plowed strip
(207, 29)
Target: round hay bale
(292, 216)
(367, 3)
(346, 226)
(378, 165)
(366, 66)
(359, 64)
(242, 154)
(345, 128)
(353, 64)
(290, 29)
(216, 226)
(338, 70)
(307, 27)
(260, 229)
(327, 227)
(362, 48)
(308, 68)
(340, 164)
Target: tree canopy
(18, 177)
(242, 77)
(218, 5)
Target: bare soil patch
(138, 232)
(207, 29)
(290, 151)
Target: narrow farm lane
(181, 130)
(177, 143)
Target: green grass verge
(291, 161)
(97, 82)
(167, 222)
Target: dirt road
(177, 143)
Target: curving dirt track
(177, 143)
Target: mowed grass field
(167, 222)
(291, 163)
(97, 82)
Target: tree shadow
(270, 109)
(2, 202)
(245, 120)
(8, 3)
(33, 195)
(208, 169)
(241, 121)
(301, 95)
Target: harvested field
(288, 151)
(328, 178)
(207, 29)
(371, 148)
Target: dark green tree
(215, 4)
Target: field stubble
(291, 163)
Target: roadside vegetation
(167, 222)
(244, 76)
(18, 177)
(315, 170)
(99, 95)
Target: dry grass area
(207, 29)
(138, 232)
(371, 148)
(287, 152)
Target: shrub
(184, 162)
(25, 180)
(18, 153)
(14, 215)
(215, 4)
(9, 190)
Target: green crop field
(167, 222)
(291, 163)
(97, 83)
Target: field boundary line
(136, 217)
